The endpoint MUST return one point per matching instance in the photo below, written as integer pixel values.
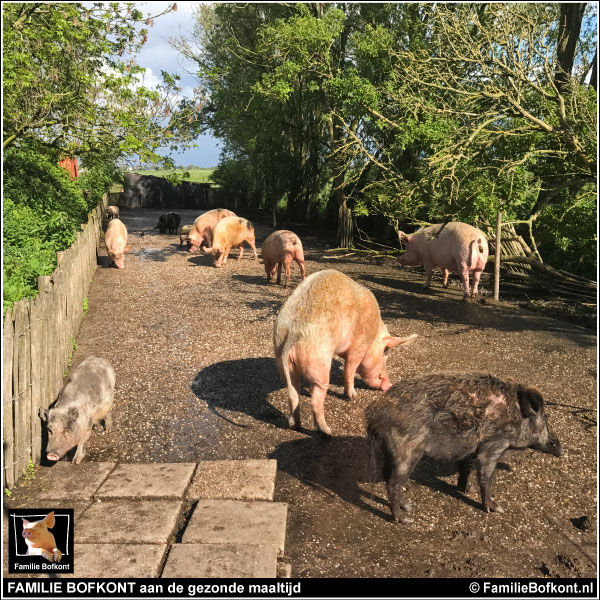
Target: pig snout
(552, 446)
(377, 382)
(27, 533)
(52, 456)
(386, 384)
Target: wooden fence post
(8, 436)
(497, 255)
(21, 357)
(37, 349)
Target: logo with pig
(40, 540)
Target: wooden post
(37, 349)
(497, 257)
(8, 436)
(22, 388)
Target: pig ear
(392, 342)
(43, 414)
(25, 522)
(531, 401)
(50, 520)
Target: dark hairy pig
(471, 419)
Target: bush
(42, 212)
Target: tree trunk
(571, 16)
(594, 76)
(344, 230)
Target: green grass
(196, 175)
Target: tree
(70, 82)
(497, 120)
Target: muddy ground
(196, 380)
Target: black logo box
(18, 559)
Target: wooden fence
(38, 338)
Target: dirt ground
(196, 380)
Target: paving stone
(221, 560)
(117, 560)
(155, 480)
(128, 522)
(238, 522)
(68, 481)
(234, 480)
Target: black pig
(471, 419)
(168, 222)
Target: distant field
(196, 175)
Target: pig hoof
(57, 556)
(399, 518)
(407, 506)
(293, 424)
(492, 506)
(326, 434)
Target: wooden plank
(42, 316)
(8, 437)
(23, 388)
(36, 377)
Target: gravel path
(196, 380)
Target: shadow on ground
(408, 299)
(340, 464)
(241, 386)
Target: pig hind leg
(486, 459)
(476, 278)
(317, 401)
(302, 268)
(279, 273)
(428, 273)
(464, 470)
(287, 263)
(294, 398)
(318, 378)
(253, 246)
(446, 273)
(464, 275)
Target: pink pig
(203, 225)
(280, 249)
(329, 314)
(115, 240)
(228, 233)
(459, 248)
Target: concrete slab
(238, 522)
(128, 522)
(67, 481)
(155, 480)
(234, 480)
(221, 560)
(117, 560)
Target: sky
(157, 54)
